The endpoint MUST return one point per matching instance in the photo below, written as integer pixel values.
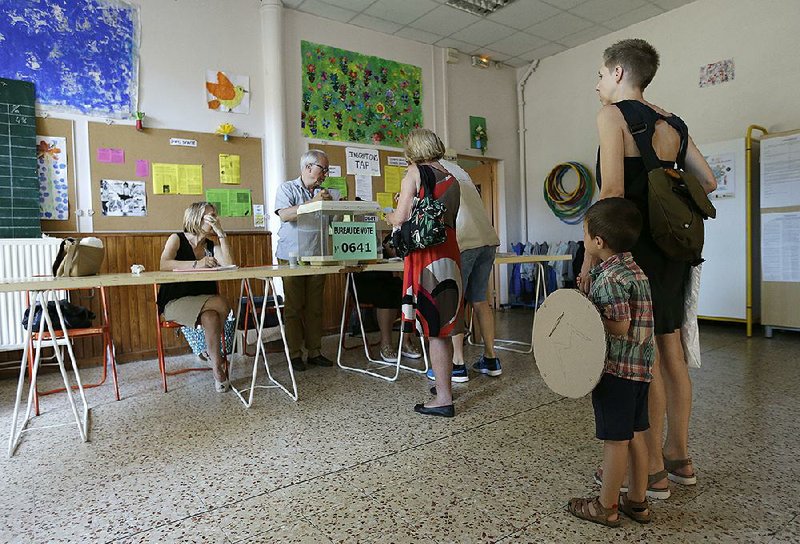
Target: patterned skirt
(432, 290)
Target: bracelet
(194, 265)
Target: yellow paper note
(190, 179)
(392, 176)
(229, 173)
(165, 179)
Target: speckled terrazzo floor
(350, 461)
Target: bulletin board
(336, 157)
(165, 212)
(62, 128)
(780, 223)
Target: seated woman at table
(384, 290)
(198, 302)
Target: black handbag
(425, 226)
(75, 317)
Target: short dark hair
(617, 221)
(637, 57)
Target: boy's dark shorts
(620, 408)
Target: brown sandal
(673, 465)
(637, 511)
(582, 508)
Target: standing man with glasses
(303, 305)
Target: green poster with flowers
(351, 97)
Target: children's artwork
(229, 172)
(123, 198)
(723, 166)
(230, 202)
(352, 97)
(227, 92)
(82, 55)
(51, 165)
(716, 73)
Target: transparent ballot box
(335, 231)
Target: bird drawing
(226, 95)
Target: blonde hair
(423, 145)
(193, 217)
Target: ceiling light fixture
(481, 8)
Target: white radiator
(21, 258)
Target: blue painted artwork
(82, 55)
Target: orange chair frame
(108, 350)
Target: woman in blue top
(198, 302)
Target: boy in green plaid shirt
(621, 292)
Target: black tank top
(636, 182)
(173, 291)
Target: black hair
(637, 57)
(617, 221)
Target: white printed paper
(183, 142)
(259, 220)
(397, 161)
(780, 247)
(362, 160)
(123, 198)
(723, 165)
(780, 171)
(364, 187)
(335, 171)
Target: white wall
(761, 37)
(489, 93)
(180, 40)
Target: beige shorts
(186, 310)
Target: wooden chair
(109, 358)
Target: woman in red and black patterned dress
(432, 292)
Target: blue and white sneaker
(460, 374)
(488, 366)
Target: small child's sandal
(582, 508)
(637, 511)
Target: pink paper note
(103, 154)
(142, 168)
(117, 156)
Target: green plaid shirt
(621, 291)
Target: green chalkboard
(19, 184)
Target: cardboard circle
(569, 343)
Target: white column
(274, 108)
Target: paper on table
(142, 168)
(230, 202)
(212, 269)
(336, 182)
(229, 172)
(364, 187)
(392, 176)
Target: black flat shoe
(442, 411)
(298, 364)
(320, 360)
